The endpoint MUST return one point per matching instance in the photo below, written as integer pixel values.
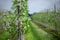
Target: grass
(38, 34)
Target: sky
(34, 5)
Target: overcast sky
(34, 5)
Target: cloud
(5, 4)
(39, 5)
(34, 5)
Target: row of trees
(14, 25)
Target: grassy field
(42, 27)
(37, 33)
(49, 21)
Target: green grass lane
(29, 35)
(40, 34)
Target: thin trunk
(55, 18)
(19, 27)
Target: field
(42, 27)
(18, 24)
(49, 21)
